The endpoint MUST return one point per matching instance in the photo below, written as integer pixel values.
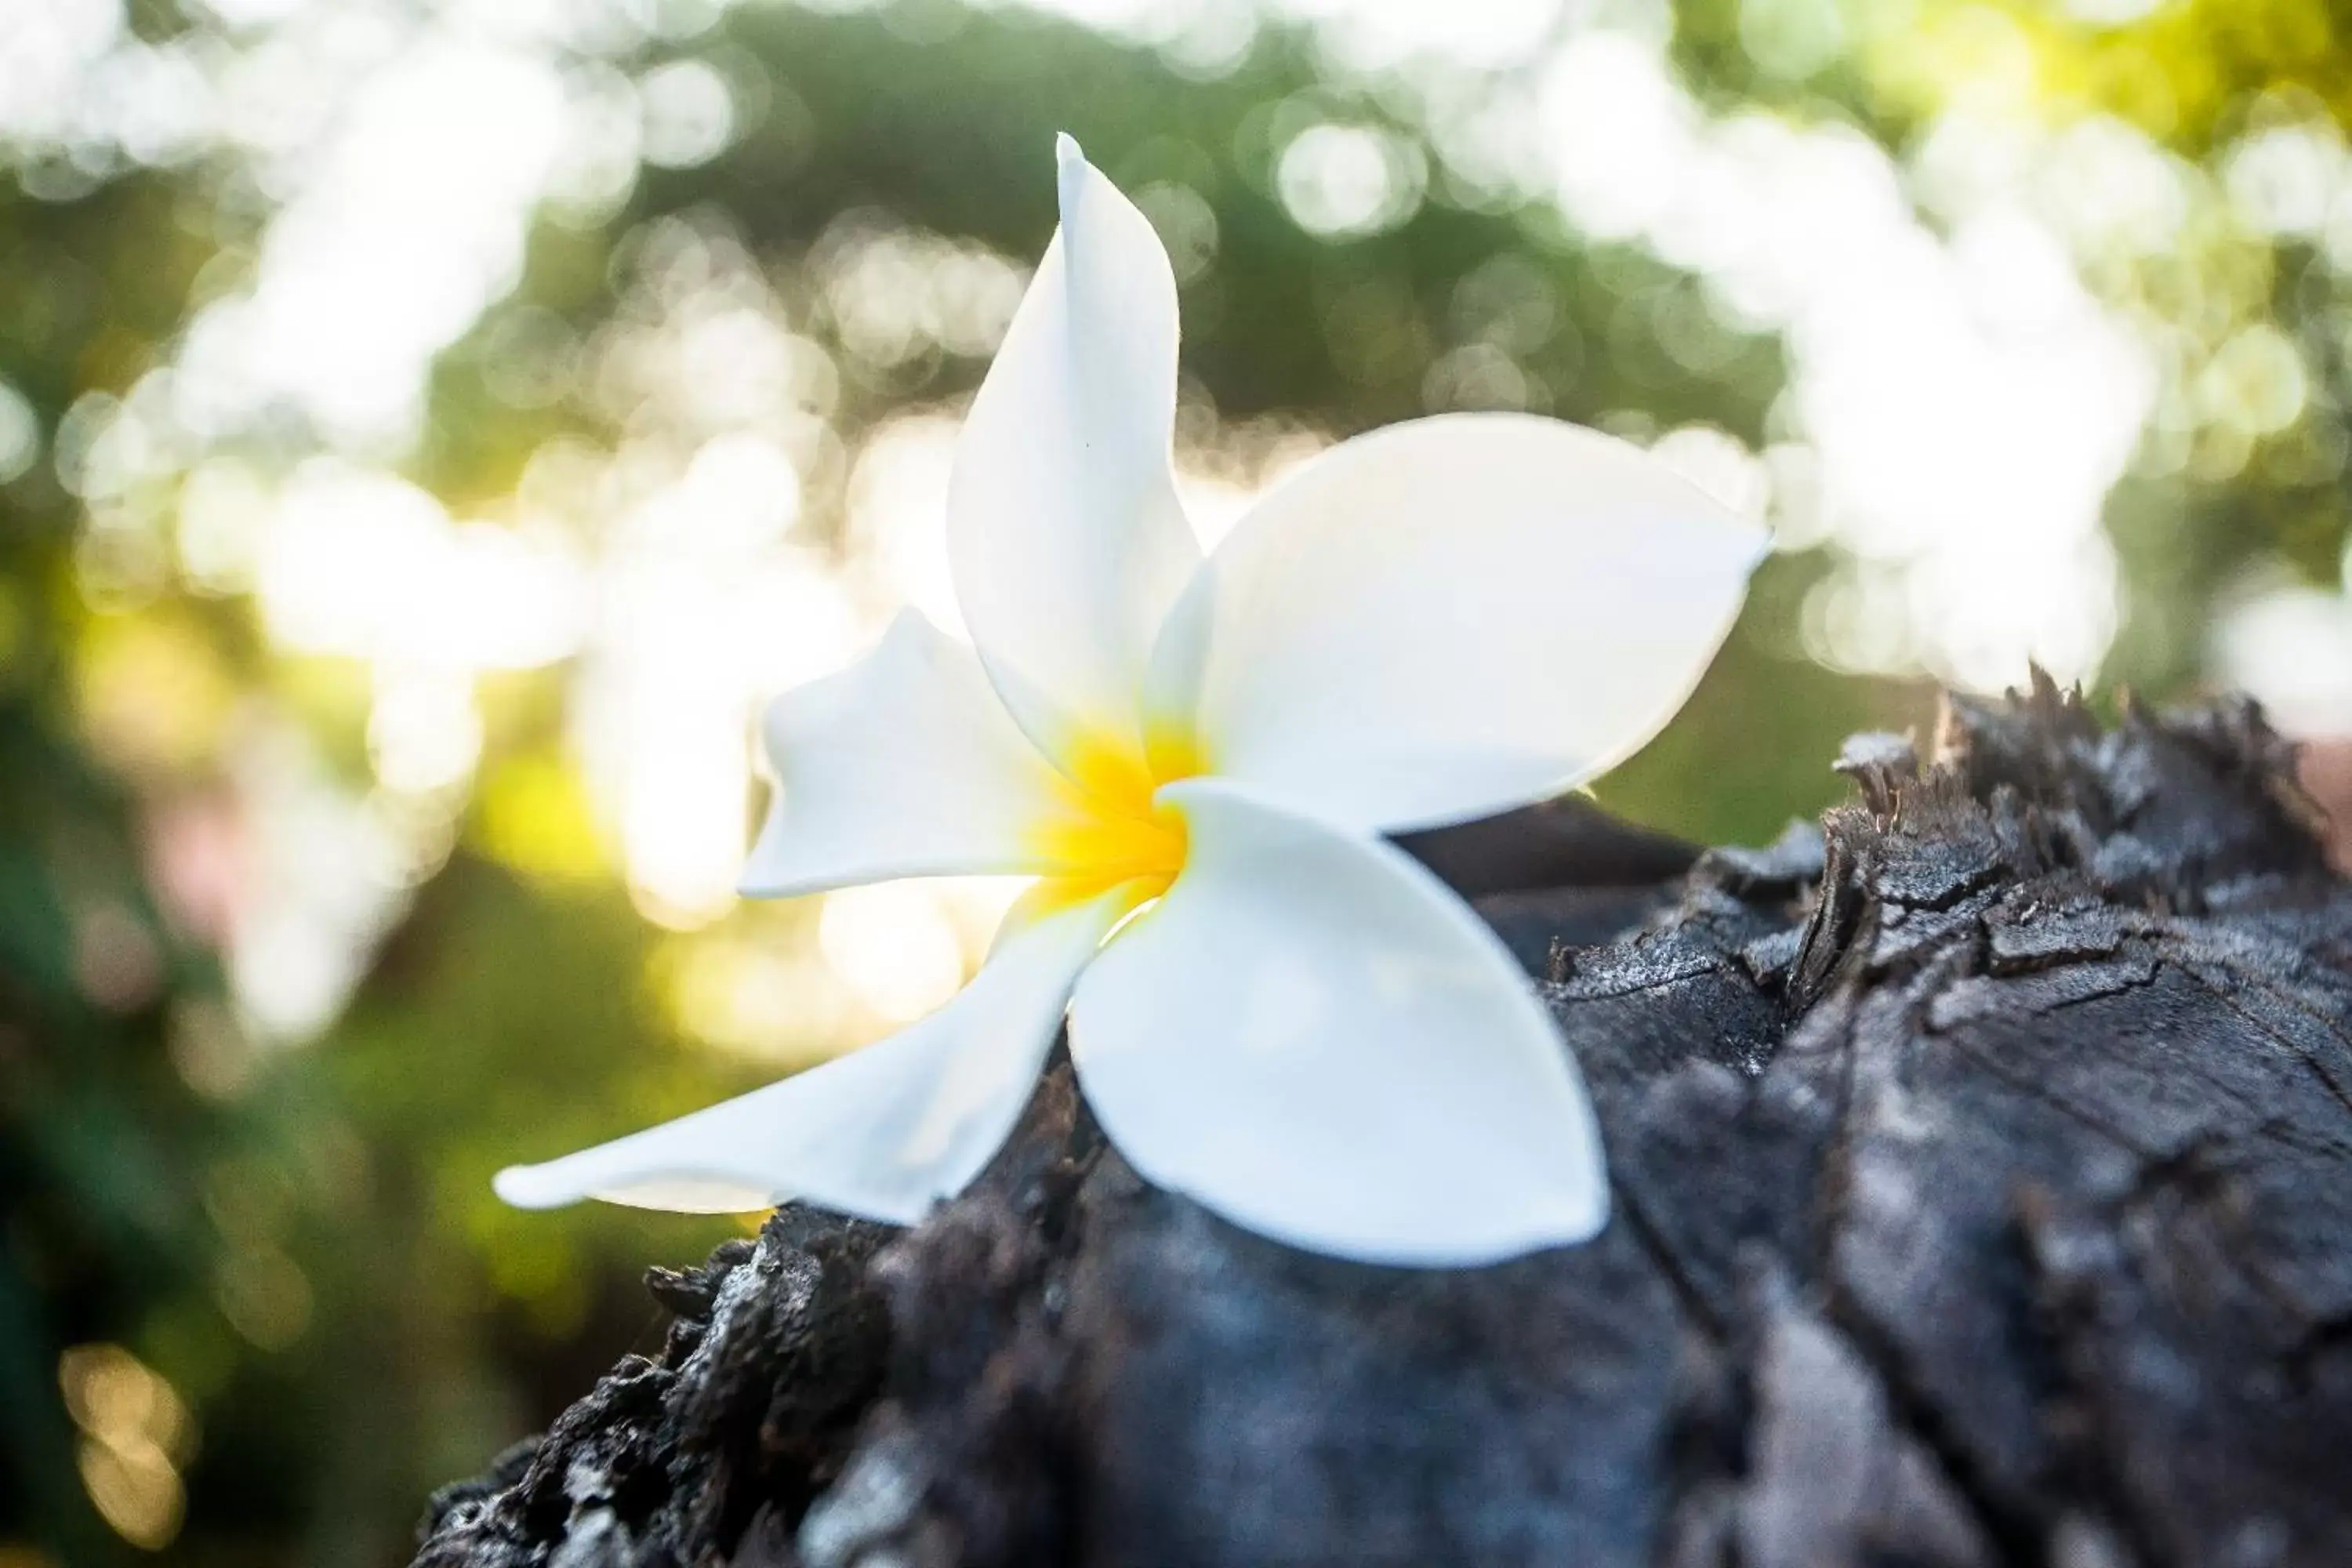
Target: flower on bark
(1270, 1007)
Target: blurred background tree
(429, 430)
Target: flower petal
(1452, 617)
(883, 1133)
(905, 764)
(1064, 533)
(1310, 1035)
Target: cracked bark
(1984, 1173)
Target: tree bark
(1983, 1196)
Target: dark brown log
(1983, 1170)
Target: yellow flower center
(1111, 831)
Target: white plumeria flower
(1302, 1028)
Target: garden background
(428, 428)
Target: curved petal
(883, 1133)
(1452, 617)
(1064, 533)
(905, 764)
(1312, 1036)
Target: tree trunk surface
(1982, 1165)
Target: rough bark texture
(1983, 1170)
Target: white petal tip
(1571, 1227)
(1578, 1228)
(1070, 166)
(1580, 1205)
(542, 1187)
(1438, 1251)
(527, 1187)
(1568, 1230)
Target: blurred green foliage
(256, 1298)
